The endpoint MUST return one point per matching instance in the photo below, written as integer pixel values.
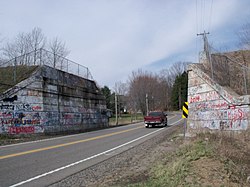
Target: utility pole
(15, 71)
(147, 103)
(180, 100)
(207, 51)
(116, 110)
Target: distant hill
(8, 73)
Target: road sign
(185, 110)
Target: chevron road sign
(185, 110)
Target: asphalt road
(45, 162)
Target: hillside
(231, 69)
(8, 73)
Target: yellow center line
(66, 144)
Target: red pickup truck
(155, 119)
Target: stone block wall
(52, 101)
(214, 107)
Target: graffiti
(20, 107)
(71, 118)
(24, 107)
(230, 114)
(9, 93)
(68, 116)
(7, 114)
(193, 81)
(207, 96)
(194, 99)
(200, 88)
(23, 130)
(34, 93)
(223, 118)
(34, 108)
(236, 114)
(6, 121)
(10, 99)
(212, 105)
(49, 118)
(223, 125)
(6, 107)
(47, 109)
(20, 119)
(211, 96)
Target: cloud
(115, 37)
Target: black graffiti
(7, 107)
(10, 99)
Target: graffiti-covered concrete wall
(52, 101)
(214, 107)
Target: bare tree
(146, 86)
(59, 50)
(19, 46)
(1, 52)
(178, 68)
(167, 81)
(27, 47)
(36, 39)
(244, 36)
(58, 47)
(23, 44)
(121, 88)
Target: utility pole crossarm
(207, 50)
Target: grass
(126, 119)
(7, 75)
(210, 159)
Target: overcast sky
(115, 37)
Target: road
(45, 162)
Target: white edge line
(94, 156)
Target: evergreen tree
(110, 97)
(179, 92)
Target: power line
(210, 16)
(204, 11)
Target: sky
(113, 38)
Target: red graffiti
(195, 99)
(18, 130)
(5, 114)
(68, 116)
(220, 105)
(232, 107)
(36, 108)
(5, 121)
(236, 114)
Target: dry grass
(7, 75)
(209, 159)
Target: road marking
(89, 158)
(61, 137)
(66, 144)
(56, 138)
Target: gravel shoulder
(130, 166)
